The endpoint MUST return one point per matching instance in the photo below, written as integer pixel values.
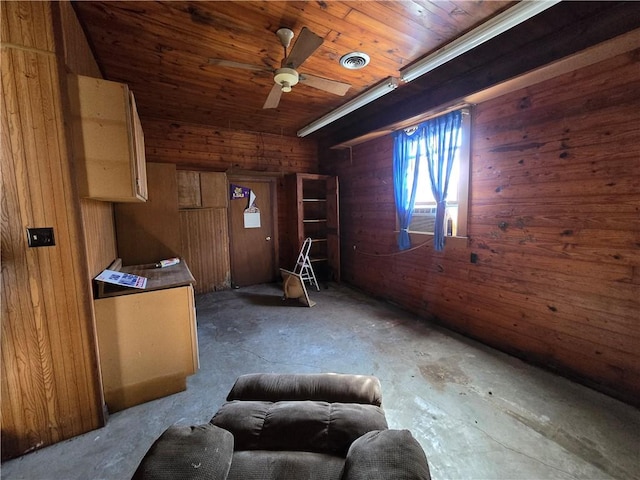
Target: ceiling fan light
(286, 77)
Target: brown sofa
(291, 426)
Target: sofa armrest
(324, 387)
(385, 454)
(202, 452)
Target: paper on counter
(123, 279)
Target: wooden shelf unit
(313, 212)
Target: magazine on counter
(122, 278)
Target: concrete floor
(478, 414)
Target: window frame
(463, 180)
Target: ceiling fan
(287, 76)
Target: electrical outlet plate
(40, 237)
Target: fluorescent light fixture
(517, 14)
(369, 96)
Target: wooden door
(253, 250)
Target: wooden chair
(293, 287)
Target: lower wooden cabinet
(147, 343)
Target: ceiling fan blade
(331, 86)
(273, 99)
(247, 66)
(306, 44)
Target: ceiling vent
(354, 60)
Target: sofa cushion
(244, 420)
(283, 465)
(386, 454)
(188, 453)
(310, 426)
(326, 387)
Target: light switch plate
(40, 237)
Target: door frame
(272, 180)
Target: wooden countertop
(157, 278)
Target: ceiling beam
(562, 30)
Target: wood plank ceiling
(162, 50)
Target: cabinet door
(139, 165)
(214, 189)
(202, 189)
(189, 189)
(147, 345)
(204, 234)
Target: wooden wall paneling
(553, 222)
(97, 217)
(148, 232)
(19, 23)
(50, 387)
(99, 234)
(204, 235)
(78, 56)
(192, 146)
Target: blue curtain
(441, 137)
(406, 151)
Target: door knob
(268, 239)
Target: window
(424, 210)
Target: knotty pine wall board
(554, 221)
(192, 146)
(50, 380)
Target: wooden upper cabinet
(215, 192)
(202, 189)
(108, 140)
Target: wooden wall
(148, 231)
(199, 147)
(50, 383)
(97, 216)
(554, 223)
